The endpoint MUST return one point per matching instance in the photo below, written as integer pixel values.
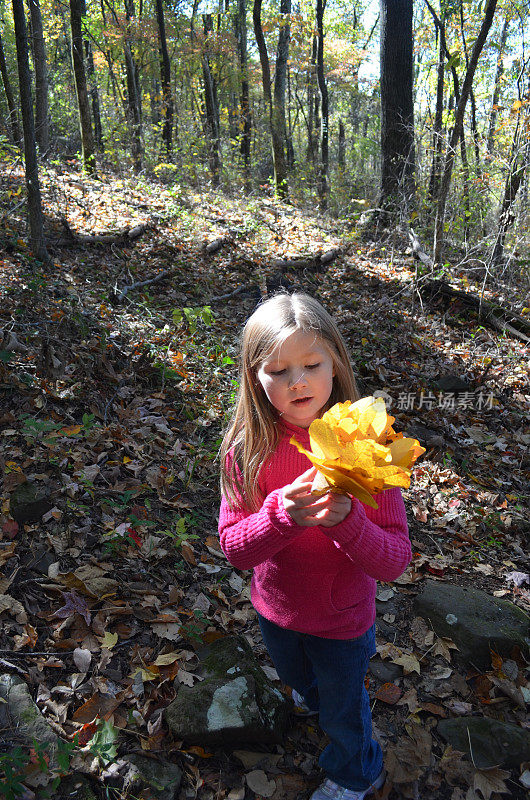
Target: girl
(315, 559)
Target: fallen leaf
(409, 663)
(492, 780)
(389, 693)
(82, 659)
(260, 784)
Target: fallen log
(118, 296)
(498, 317)
(122, 237)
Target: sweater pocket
(346, 590)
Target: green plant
(12, 767)
(193, 316)
(195, 627)
(178, 534)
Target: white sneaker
(329, 790)
(301, 708)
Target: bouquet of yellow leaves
(356, 451)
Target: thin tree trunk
(311, 102)
(35, 216)
(341, 156)
(520, 153)
(279, 127)
(437, 135)
(93, 90)
(133, 94)
(244, 97)
(457, 130)
(85, 122)
(42, 125)
(323, 187)
(497, 85)
(165, 78)
(13, 116)
(211, 105)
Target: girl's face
(297, 378)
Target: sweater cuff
(280, 519)
(352, 527)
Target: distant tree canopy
(265, 92)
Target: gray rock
(475, 621)
(29, 502)
(493, 743)
(76, 785)
(235, 703)
(161, 778)
(21, 713)
(384, 671)
(453, 383)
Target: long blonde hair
(252, 434)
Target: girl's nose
(298, 380)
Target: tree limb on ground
(124, 236)
(489, 312)
(318, 263)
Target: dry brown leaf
(8, 603)
(455, 767)
(409, 662)
(491, 780)
(260, 784)
(389, 693)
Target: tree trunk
(497, 86)
(244, 98)
(518, 165)
(211, 104)
(13, 117)
(133, 93)
(93, 91)
(397, 112)
(165, 78)
(312, 146)
(35, 216)
(42, 124)
(323, 187)
(458, 127)
(341, 157)
(437, 134)
(278, 123)
(85, 122)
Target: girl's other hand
(307, 510)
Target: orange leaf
(389, 693)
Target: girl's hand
(337, 508)
(307, 510)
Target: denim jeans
(329, 674)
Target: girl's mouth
(301, 401)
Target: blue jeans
(329, 674)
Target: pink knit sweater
(316, 580)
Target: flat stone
(28, 502)
(476, 622)
(161, 778)
(493, 743)
(21, 713)
(385, 671)
(235, 703)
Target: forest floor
(113, 402)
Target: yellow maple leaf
(109, 640)
(356, 451)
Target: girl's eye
(277, 372)
(313, 366)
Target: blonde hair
(252, 434)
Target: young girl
(315, 559)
